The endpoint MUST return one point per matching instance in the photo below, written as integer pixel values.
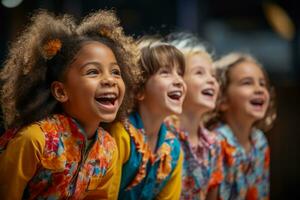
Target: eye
(199, 72)
(164, 71)
(263, 83)
(116, 72)
(180, 72)
(92, 72)
(246, 82)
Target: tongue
(175, 97)
(105, 102)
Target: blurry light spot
(11, 3)
(279, 20)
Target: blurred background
(270, 30)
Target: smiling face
(93, 86)
(164, 91)
(247, 96)
(202, 87)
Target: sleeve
(105, 189)
(172, 189)
(122, 139)
(19, 161)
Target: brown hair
(156, 55)
(43, 52)
(223, 67)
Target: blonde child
(246, 107)
(202, 170)
(150, 159)
(60, 81)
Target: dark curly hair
(223, 67)
(29, 69)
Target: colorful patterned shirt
(141, 173)
(202, 166)
(246, 175)
(50, 159)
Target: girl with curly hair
(245, 109)
(150, 159)
(202, 166)
(61, 80)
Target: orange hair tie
(51, 48)
(105, 31)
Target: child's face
(202, 87)
(165, 91)
(247, 94)
(93, 84)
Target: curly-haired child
(244, 110)
(202, 166)
(150, 159)
(61, 80)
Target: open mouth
(208, 92)
(258, 102)
(175, 95)
(107, 99)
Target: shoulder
(32, 133)
(106, 139)
(117, 130)
(259, 139)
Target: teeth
(175, 93)
(208, 92)
(109, 96)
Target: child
(202, 170)
(245, 107)
(150, 160)
(60, 81)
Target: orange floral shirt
(52, 159)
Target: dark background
(226, 25)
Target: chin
(176, 111)
(208, 105)
(108, 118)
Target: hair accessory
(51, 48)
(105, 31)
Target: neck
(152, 123)
(90, 130)
(190, 121)
(241, 128)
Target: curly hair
(42, 54)
(223, 67)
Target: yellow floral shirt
(51, 159)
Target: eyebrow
(97, 64)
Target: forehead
(198, 60)
(94, 50)
(246, 69)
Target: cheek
(268, 98)
(122, 87)
(194, 87)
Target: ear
(59, 92)
(140, 96)
(223, 104)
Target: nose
(178, 81)
(211, 80)
(108, 81)
(259, 89)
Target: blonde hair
(189, 44)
